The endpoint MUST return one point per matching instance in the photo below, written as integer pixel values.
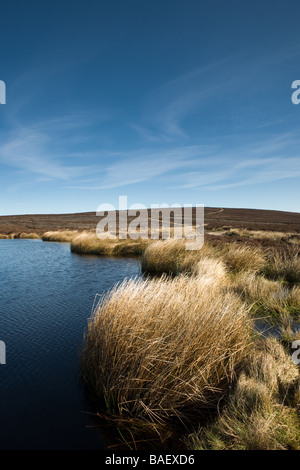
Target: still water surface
(46, 295)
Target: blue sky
(163, 101)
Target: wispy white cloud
(213, 166)
(48, 147)
(277, 170)
(167, 106)
(230, 80)
(209, 167)
(260, 173)
(144, 165)
(149, 135)
(264, 162)
(27, 149)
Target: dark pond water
(46, 295)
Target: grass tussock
(261, 413)
(65, 236)
(90, 244)
(182, 346)
(284, 265)
(213, 269)
(30, 236)
(269, 298)
(294, 239)
(4, 236)
(242, 258)
(171, 257)
(289, 334)
(159, 349)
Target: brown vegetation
(261, 413)
(160, 349)
(90, 244)
(180, 347)
(215, 219)
(63, 236)
(151, 350)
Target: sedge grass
(63, 236)
(269, 298)
(261, 413)
(171, 257)
(30, 236)
(284, 265)
(90, 244)
(240, 258)
(161, 348)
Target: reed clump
(90, 244)
(213, 269)
(171, 257)
(30, 236)
(160, 349)
(241, 258)
(182, 347)
(284, 265)
(268, 297)
(63, 236)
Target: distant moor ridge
(214, 218)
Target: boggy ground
(176, 359)
(183, 348)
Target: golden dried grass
(90, 244)
(162, 348)
(260, 414)
(63, 236)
